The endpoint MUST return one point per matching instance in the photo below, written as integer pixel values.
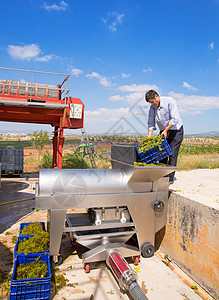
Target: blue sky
(116, 50)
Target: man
(164, 112)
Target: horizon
(203, 134)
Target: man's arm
(150, 132)
(166, 130)
(151, 121)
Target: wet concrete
(15, 188)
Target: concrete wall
(191, 239)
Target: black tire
(59, 262)
(147, 250)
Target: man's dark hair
(150, 95)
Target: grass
(14, 144)
(198, 161)
(100, 163)
(185, 162)
(204, 152)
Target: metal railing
(65, 82)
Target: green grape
(35, 269)
(148, 143)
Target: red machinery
(26, 102)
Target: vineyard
(195, 153)
(201, 149)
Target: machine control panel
(75, 111)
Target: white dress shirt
(164, 115)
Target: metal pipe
(81, 181)
(97, 219)
(12, 69)
(29, 104)
(24, 84)
(123, 218)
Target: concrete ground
(198, 185)
(158, 278)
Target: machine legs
(60, 147)
(58, 142)
(57, 219)
(55, 147)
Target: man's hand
(164, 133)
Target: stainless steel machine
(126, 206)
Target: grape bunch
(141, 164)
(150, 142)
(35, 269)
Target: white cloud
(24, 52)
(113, 20)
(147, 70)
(138, 97)
(116, 98)
(188, 86)
(106, 115)
(211, 45)
(102, 79)
(57, 7)
(76, 72)
(119, 121)
(45, 58)
(132, 98)
(138, 88)
(28, 52)
(136, 93)
(125, 75)
(194, 104)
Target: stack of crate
(35, 288)
(12, 161)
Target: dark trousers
(174, 139)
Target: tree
(39, 139)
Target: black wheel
(58, 262)
(147, 250)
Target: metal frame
(42, 110)
(137, 188)
(67, 84)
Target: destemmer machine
(126, 206)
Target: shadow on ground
(6, 266)
(12, 190)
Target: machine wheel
(147, 250)
(59, 262)
(136, 260)
(87, 268)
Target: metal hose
(136, 292)
(125, 275)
